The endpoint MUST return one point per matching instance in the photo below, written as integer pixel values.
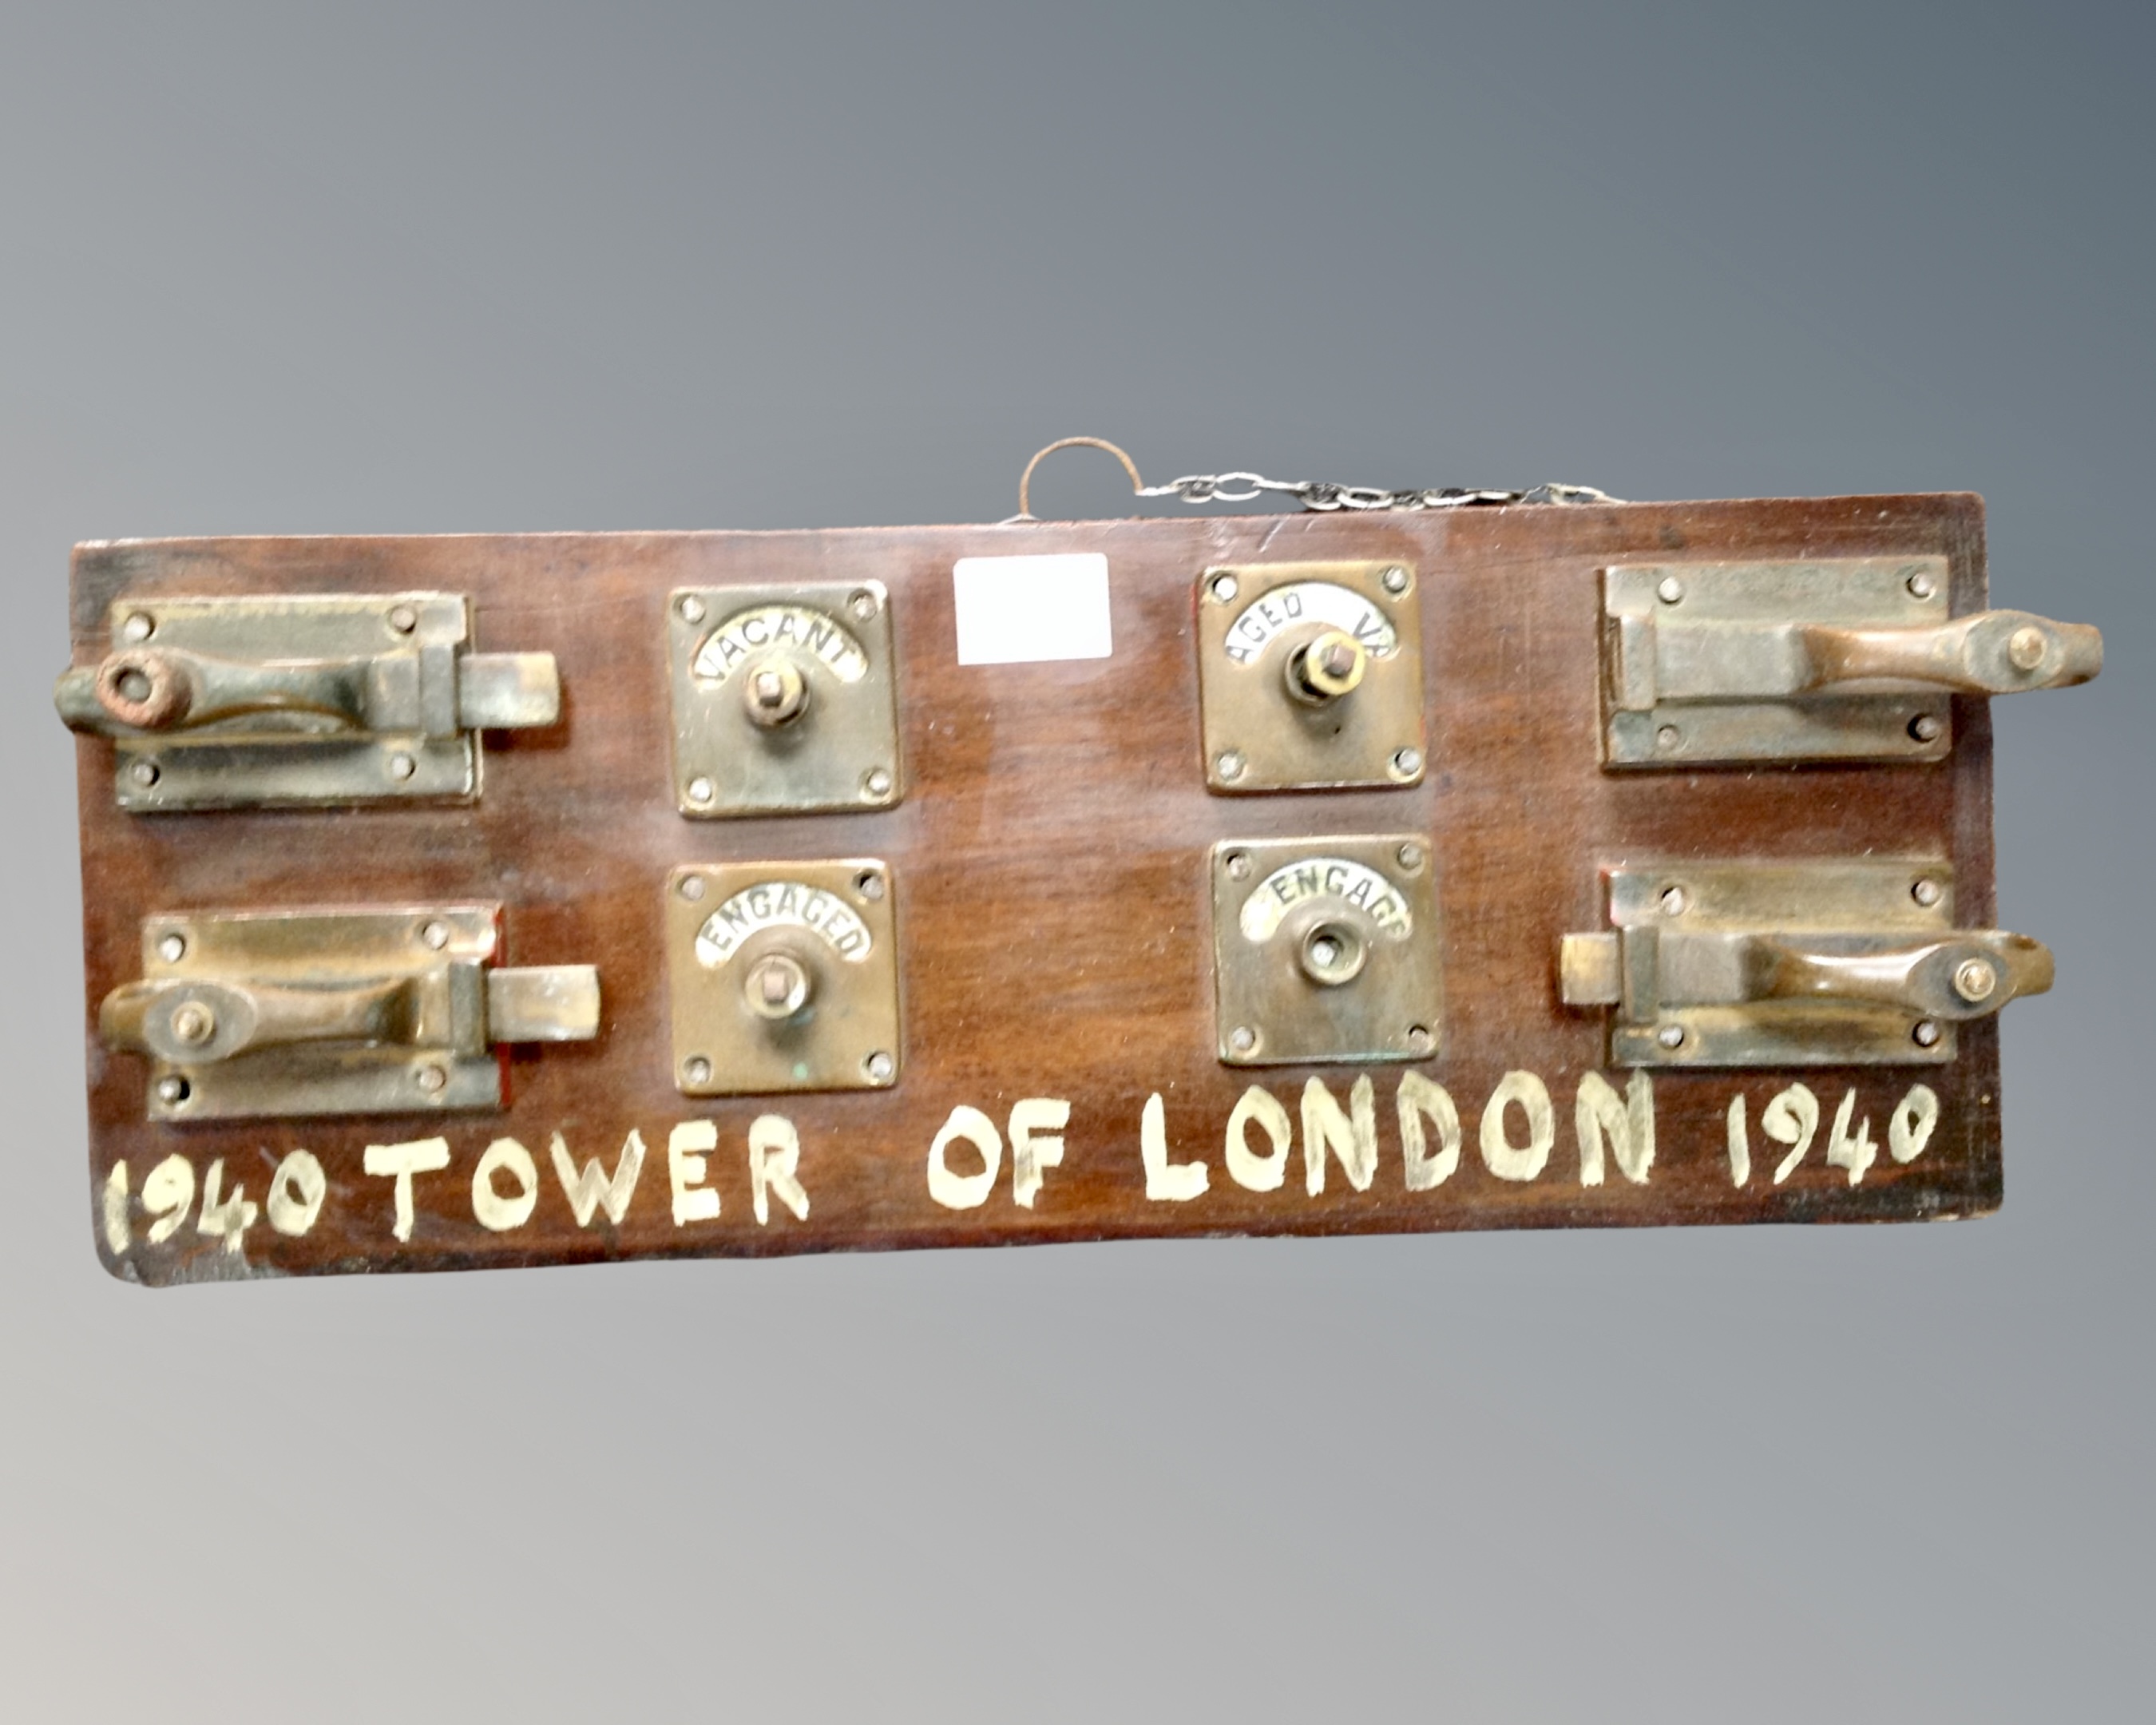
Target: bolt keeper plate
(783, 976)
(1327, 949)
(830, 738)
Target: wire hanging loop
(1025, 479)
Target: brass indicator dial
(1310, 675)
(1325, 949)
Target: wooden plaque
(1051, 859)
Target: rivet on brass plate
(784, 699)
(1325, 949)
(783, 976)
(1310, 676)
(1852, 963)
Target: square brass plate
(821, 937)
(1724, 612)
(290, 759)
(1864, 895)
(302, 949)
(839, 751)
(1327, 949)
(1253, 618)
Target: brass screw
(1927, 892)
(1669, 590)
(875, 783)
(144, 773)
(1668, 737)
(403, 766)
(194, 1023)
(696, 1070)
(1243, 1040)
(403, 619)
(137, 628)
(172, 1090)
(1925, 727)
(172, 948)
(864, 604)
(1922, 586)
(1406, 762)
(1671, 1036)
(868, 884)
(880, 1066)
(1927, 1033)
(1229, 763)
(701, 790)
(1394, 580)
(1223, 587)
(2026, 647)
(1410, 857)
(1674, 901)
(692, 608)
(692, 887)
(1421, 1042)
(1238, 866)
(435, 935)
(1975, 978)
(431, 1079)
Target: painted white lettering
(1251, 1172)
(118, 1237)
(1628, 1125)
(1499, 1155)
(1351, 1137)
(228, 1217)
(1166, 1181)
(1791, 1118)
(1421, 1098)
(490, 1208)
(1856, 1154)
(399, 1162)
(1036, 1142)
(168, 1192)
(591, 1187)
(774, 1162)
(1740, 1143)
(965, 1192)
(1908, 1128)
(686, 1146)
(296, 1191)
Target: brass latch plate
(1851, 962)
(249, 1014)
(1683, 643)
(1327, 949)
(784, 699)
(1310, 675)
(783, 976)
(322, 700)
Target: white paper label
(1024, 610)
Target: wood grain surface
(1051, 881)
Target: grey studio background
(428, 267)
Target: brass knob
(776, 987)
(775, 694)
(1327, 669)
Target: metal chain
(1320, 494)
(1311, 494)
